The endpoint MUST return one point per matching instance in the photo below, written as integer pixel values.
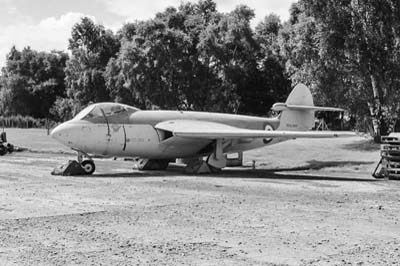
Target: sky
(45, 25)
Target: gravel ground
(315, 205)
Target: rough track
(337, 215)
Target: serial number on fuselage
(138, 140)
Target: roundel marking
(268, 127)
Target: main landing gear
(152, 164)
(213, 164)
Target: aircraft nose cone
(62, 133)
(57, 132)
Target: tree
(348, 52)
(267, 33)
(31, 81)
(194, 58)
(271, 61)
(160, 64)
(92, 46)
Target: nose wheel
(87, 165)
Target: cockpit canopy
(111, 113)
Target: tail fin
(298, 110)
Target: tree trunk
(376, 109)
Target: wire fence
(18, 121)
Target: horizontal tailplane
(297, 113)
(284, 106)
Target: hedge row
(18, 121)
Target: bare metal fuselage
(135, 135)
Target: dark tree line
(189, 58)
(195, 58)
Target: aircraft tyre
(152, 164)
(88, 166)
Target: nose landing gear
(76, 167)
(87, 165)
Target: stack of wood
(389, 165)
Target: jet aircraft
(159, 137)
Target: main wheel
(88, 166)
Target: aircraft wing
(212, 130)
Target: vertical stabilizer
(300, 95)
(293, 117)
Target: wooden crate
(390, 140)
(389, 165)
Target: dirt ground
(308, 202)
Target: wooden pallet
(390, 140)
(393, 173)
(393, 165)
(390, 147)
(393, 176)
(389, 165)
(390, 156)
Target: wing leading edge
(212, 130)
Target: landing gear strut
(87, 165)
(76, 167)
(214, 163)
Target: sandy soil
(308, 202)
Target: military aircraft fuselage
(111, 129)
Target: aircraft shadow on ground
(247, 172)
(318, 165)
(282, 173)
(173, 170)
(363, 145)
